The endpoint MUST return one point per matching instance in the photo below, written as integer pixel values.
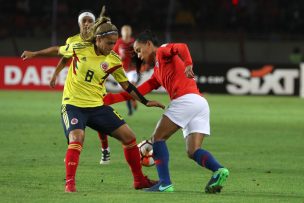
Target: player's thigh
(73, 121)
(164, 129)
(105, 119)
(124, 134)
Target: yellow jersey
(73, 39)
(85, 82)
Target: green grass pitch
(260, 139)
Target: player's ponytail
(147, 35)
(102, 27)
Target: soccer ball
(146, 153)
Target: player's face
(126, 32)
(144, 51)
(85, 24)
(106, 44)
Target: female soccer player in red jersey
(124, 48)
(92, 63)
(188, 109)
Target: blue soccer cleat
(217, 180)
(160, 188)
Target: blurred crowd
(32, 18)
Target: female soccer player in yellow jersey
(82, 102)
(86, 20)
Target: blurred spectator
(29, 18)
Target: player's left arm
(119, 76)
(133, 91)
(144, 89)
(183, 52)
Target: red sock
(104, 140)
(71, 161)
(133, 158)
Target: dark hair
(147, 35)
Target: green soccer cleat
(217, 180)
(160, 188)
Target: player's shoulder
(73, 39)
(81, 45)
(164, 50)
(113, 56)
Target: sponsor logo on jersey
(157, 64)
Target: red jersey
(170, 63)
(125, 51)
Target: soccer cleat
(217, 180)
(144, 183)
(70, 188)
(160, 187)
(105, 156)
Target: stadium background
(221, 34)
(259, 138)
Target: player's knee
(124, 135)
(127, 139)
(159, 136)
(190, 154)
(76, 136)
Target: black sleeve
(131, 88)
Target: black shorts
(103, 119)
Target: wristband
(142, 99)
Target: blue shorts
(103, 119)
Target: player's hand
(155, 104)
(27, 54)
(189, 72)
(53, 82)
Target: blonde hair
(102, 27)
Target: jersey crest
(104, 66)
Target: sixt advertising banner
(252, 79)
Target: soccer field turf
(260, 139)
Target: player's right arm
(62, 63)
(66, 51)
(51, 51)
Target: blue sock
(161, 158)
(205, 159)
